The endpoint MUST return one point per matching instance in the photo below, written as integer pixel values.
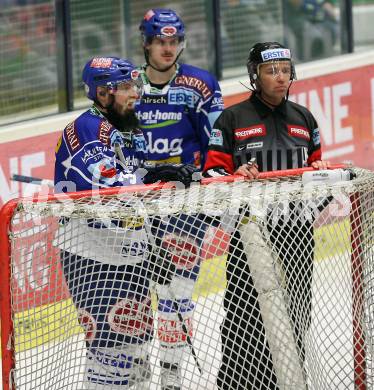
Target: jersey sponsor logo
(171, 331)
(101, 62)
(72, 138)
(154, 100)
(168, 31)
(249, 132)
(131, 317)
(195, 83)
(183, 250)
(298, 131)
(255, 145)
(131, 161)
(134, 248)
(152, 116)
(181, 96)
(276, 54)
(217, 101)
(118, 360)
(88, 323)
(104, 130)
(164, 145)
(216, 137)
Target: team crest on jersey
(168, 31)
(88, 323)
(250, 132)
(298, 131)
(131, 317)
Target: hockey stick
(49, 183)
(32, 180)
(184, 328)
(156, 243)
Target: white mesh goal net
(267, 284)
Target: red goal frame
(7, 212)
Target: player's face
(274, 80)
(125, 96)
(163, 51)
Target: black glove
(184, 173)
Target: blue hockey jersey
(177, 120)
(89, 154)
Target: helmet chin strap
(288, 90)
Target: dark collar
(263, 110)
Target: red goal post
(38, 319)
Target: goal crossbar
(255, 210)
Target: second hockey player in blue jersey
(179, 106)
(180, 102)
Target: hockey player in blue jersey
(180, 102)
(91, 148)
(178, 108)
(107, 272)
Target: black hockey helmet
(265, 52)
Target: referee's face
(274, 80)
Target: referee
(277, 134)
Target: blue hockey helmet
(160, 22)
(266, 52)
(108, 72)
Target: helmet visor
(275, 69)
(128, 86)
